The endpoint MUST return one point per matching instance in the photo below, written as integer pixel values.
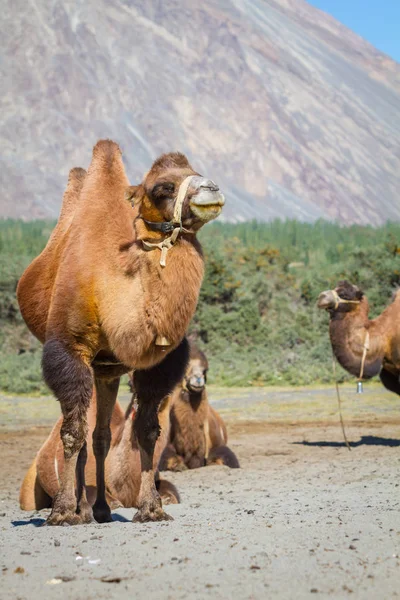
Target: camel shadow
(35, 522)
(38, 522)
(366, 440)
(120, 518)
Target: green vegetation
(256, 317)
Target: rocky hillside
(291, 112)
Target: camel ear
(359, 294)
(134, 194)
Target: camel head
(173, 193)
(196, 373)
(346, 297)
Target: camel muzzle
(196, 383)
(207, 201)
(326, 300)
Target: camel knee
(73, 435)
(68, 377)
(147, 428)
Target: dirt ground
(303, 517)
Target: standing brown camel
(198, 434)
(122, 466)
(114, 290)
(354, 336)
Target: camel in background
(122, 466)
(113, 291)
(198, 435)
(353, 335)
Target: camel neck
(348, 332)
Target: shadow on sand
(366, 440)
(34, 522)
(38, 522)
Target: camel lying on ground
(198, 435)
(122, 466)
(113, 291)
(354, 336)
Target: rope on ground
(339, 403)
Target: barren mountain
(292, 113)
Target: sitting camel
(198, 434)
(364, 347)
(122, 466)
(114, 290)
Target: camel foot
(69, 518)
(179, 468)
(85, 512)
(114, 504)
(174, 464)
(169, 498)
(147, 514)
(168, 492)
(102, 512)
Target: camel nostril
(209, 185)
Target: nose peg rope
(346, 441)
(167, 244)
(364, 356)
(359, 383)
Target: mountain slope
(293, 114)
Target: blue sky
(378, 21)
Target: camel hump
(76, 180)
(106, 177)
(217, 428)
(108, 152)
(396, 295)
(76, 175)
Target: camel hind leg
(152, 386)
(31, 495)
(106, 396)
(83, 506)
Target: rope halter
(339, 300)
(175, 225)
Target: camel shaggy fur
(353, 334)
(122, 467)
(198, 435)
(102, 303)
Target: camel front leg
(106, 396)
(71, 380)
(152, 386)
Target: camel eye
(162, 190)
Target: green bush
(256, 318)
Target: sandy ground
(303, 517)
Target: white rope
(167, 244)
